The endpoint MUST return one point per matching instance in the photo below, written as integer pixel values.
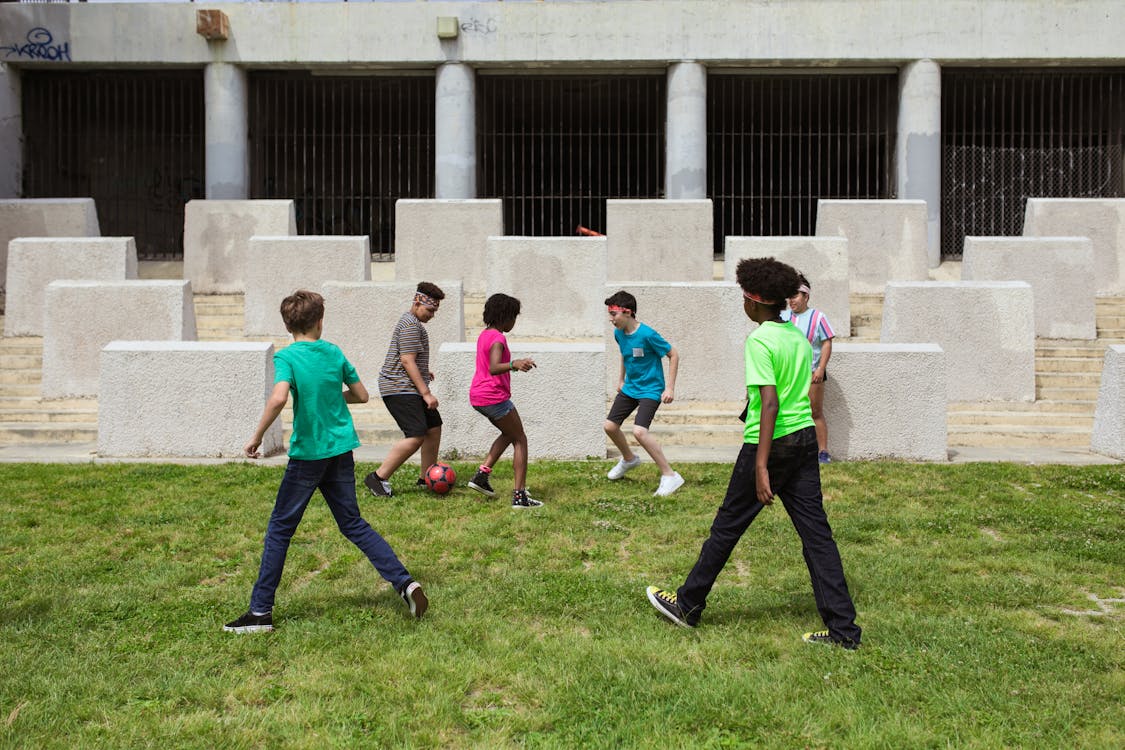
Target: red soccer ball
(440, 478)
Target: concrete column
(918, 146)
(685, 173)
(11, 136)
(227, 154)
(455, 132)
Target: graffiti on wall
(39, 45)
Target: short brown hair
(301, 311)
(430, 290)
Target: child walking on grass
(779, 456)
(491, 394)
(323, 382)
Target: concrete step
(1016, 407)
(20, 377)
(986, 435)
(1073, 365)
(16, 433)
(1021, 419)
(1066, 393)
(21, 345)
(21, 361)
(1068, 379)
(20, 390)
(47, 416)
(1095, 350)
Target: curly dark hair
(622, 299)
(430, 290)
(301, 310)
(768, 278)
(499, 309)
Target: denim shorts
(496, 411)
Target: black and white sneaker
(824, 637)
(415, 598)
(666, 604)
(251, 623)
(378, 487)
(481, 484)
(520, 499)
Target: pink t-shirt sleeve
(488, 389)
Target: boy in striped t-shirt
(815, 326)
(404, 384)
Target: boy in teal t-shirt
(323, 383)
(641, 388)
(779, 455)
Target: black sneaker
(415, 598)
(520, 499)
(481, 484)
(823, 636)
(665, 603)
(251, 623)
(379, 487)
(420, 483)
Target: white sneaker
(623, 466)
(669, 484)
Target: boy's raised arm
(279, 396)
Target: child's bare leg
(430, 446)
(511, 430)
(397, 456)
(499, 445)
(816, 400)
(618, 437)
(648, 442)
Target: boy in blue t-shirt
(323, 382)
(641, 387)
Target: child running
(814, 324)
(323, 382)
(640, 387)
(778, 456)
(491, 394)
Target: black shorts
(623, 406)
(411, 415)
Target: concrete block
(81, 317)
(886, 401)
(445, 239)
(706, 324)
(1108, 436)
(44, 217)
(1059, 270)
(359, 318)
(34, 262)
(217, 234)
(986, 329)
(659, 240)
(278, 266)
(559, 281)
(1100, 219)
(887, 240)
(561, 405)
(160, 398)
(823, 260)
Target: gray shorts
(496, 411)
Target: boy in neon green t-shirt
(779, 455)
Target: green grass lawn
(973, 585)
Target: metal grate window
(1009, 135)
(131, 140)
(554, 148)
(778, 143)
(343, 148)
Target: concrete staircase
(1068, 374)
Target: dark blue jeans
(795, 478)
(335, 478)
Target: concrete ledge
(33, 263)
(83, 316)
(160, 398)
(823, 261)
(1059, 270)
(561, 405)
(706, 324)
(1100, 219)
(887, 240)
(1108, 437)
(446, 239)
(278, 266)
(44, 217)
(886, 401)
(559, 281)
(217, 234)
(986, 329)
(659, 240)
(359, 318)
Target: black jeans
(795, 478)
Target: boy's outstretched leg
(670, 480)
(629, 460)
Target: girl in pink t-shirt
(490, 393)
